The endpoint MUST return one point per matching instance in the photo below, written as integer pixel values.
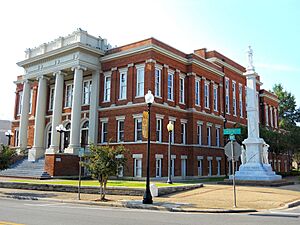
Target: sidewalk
(210, 198)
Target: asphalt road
(13, 211)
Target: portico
(66, 59)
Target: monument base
(256, 171)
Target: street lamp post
(60, 129)
(9, 135)
(170, 128)
(149, 99)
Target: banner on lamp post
(145, 125)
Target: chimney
(201, 52)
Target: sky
(271, 27)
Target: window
(215, 98)
(170, 86)
(208, 129)
(66, 138)
(69, 95)
(157, 82)
(227, 105)
(104, 132)
(183, 167)
(49, 131)
(85, 134)
(120, 135)
(172, 133)
(183, 133)
(218, 137)
(138, 167)
(158, 163)
(51, 98)
(241, 99)
(271, 117)
(20, 105)
(199, 134)
(86, 93)
(234, 98)
(206, 95)
(181, 90)
(197, 92)
(158, 130)
(123, 84)
(218, 166)
(30, 100)
(209, 166)
(138, 129)
(200, 169)
(16, 138)
(107, 86)
(140, 82)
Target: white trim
(218, 126)
(159, 116)
(183, 120)
(158, 66)
(216, 60)
(171, 118)
(209, 158)
(137, 156)
(199, 122)
(218, 158)
(105, 119)
(173, 156)
(137, 116)
(120, 117)
(183, 157)
(270, 97)
(140, 66)
(199, 157)
(208, 124)
(159, 156)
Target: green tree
(287, 112)
(104, 162)
(6, 155)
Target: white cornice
(270, 97)
(163, 51)
(216, 60)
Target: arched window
(49, 136)
(84, 134)
(67, 135)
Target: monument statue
(243, 155)
(250, 58)
(265, 153)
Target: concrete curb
(133, 205)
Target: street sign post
(233, 151)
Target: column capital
(79, 67)
(59, 73)
(41, 77)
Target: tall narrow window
(157, 82)
(200, 167)
(218, 137)
(138, 167)
(20, 105)
(170, 86)
(138, 129)
(206, 94)
(51, 98)
(183, 133)
(241, 99)
(197, 92)
(140, 82)
(234, 98)
(158, 130)
(123, 84)
(158, 167)
(107, 86)
(86, 93)
(16, 137)
(199, 134)
(30, 100)
(120, 136)
(172, 133)
(271, 116)
(215, 98)
(69, 95)
(104, 132)
(227, 105)
(209, 159)
(208, 133)
(181, 90)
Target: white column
(24, 115)
(271, 116)
(275, 117)
(76, 111)
(57, 111)
(267, 114)
(94, 104)
(38, 146)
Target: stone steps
(25, 169)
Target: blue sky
(272, 28)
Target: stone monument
(256, 166)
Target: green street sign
(231, 131)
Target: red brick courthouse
(97, 93)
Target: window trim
(123, 72)
(89, 81)
(118, 130)
(107, 91)
(170, 74)
(158, 91)
(136, 120)
(142, 91)
(181, 92)
(206, 95)
(197, 89)
(102, 130)
(67, 98)
(50, 95)
(215, 98)
(159, 130)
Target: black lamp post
(170, 128)
(9, 135)
(60, 129)
(149, 99)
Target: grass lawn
(115, 183)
